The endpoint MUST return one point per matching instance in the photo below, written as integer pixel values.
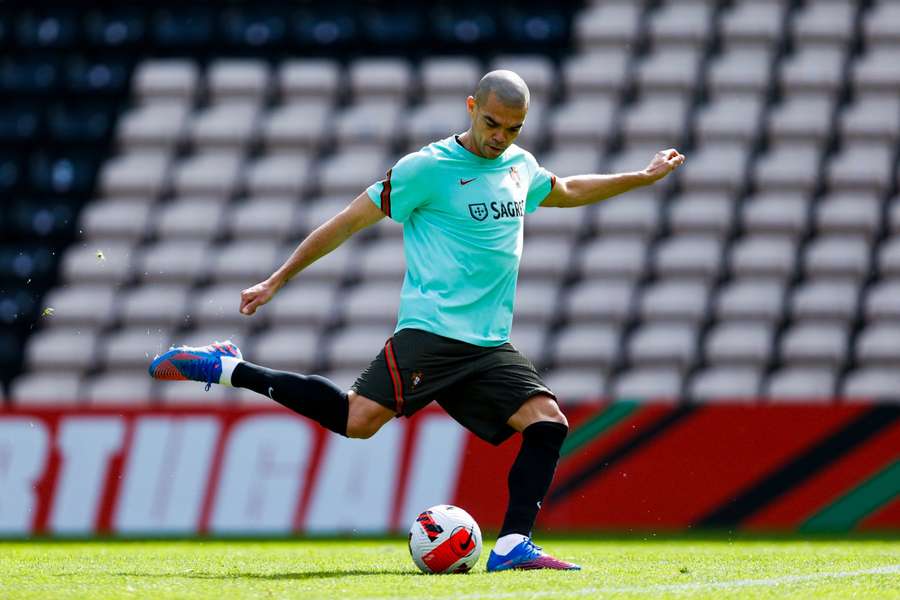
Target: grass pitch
(613, 568)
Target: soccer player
(462, 202)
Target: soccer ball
(445, 539)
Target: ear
(470, 106)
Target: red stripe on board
(115, 475)
(696, 466)
(45, 488)
(395, 376)
(845, 473)
(386, 194)
(886, 517)
(311, 476)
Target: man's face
(494, 125)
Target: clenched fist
(257, 295)
(664, 163)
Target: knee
(360, 428)
(365, 417)
(536, 409)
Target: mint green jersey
(462, 219)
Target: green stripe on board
(863, 500)
(613, 414)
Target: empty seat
(158, 126)
(751, 300)
(98, 261)
(537, 70)
(681, 24)
(825, 23)
(582, 345)
(334, 266)
(834, 300)
(601, 74)
(688, 256)
(607, 25)
(192, 219)
(531, 340)
(546, 257)
(669, 70)
(657, 119)
(875, 72)
(674, 300)
(238, 80)
(800, 384)
(869, 383)
(82, 305)
(709, 214)
(435, 120)
(61, 349)
(849, 214)
(613, 257)
(139, 174)
(174, 261)
(297, 126)
(881, 301)
(889, 257)
(550, 221)
(389, 78)
(370, 303)
(287, 174)
(290, 348)
(308, 303)
(871, 119)
(575, 386)
(371, 122)
(36, 389)
(879, 344)
(801, 119)
(647, 384)
(134, 348)
(118, 388)
(270, 218)
(115, 219)
(837, 257)
(742, 72)
(227, 126)
(788, 167)
(308, 77)
(880, 25)
(536, 301)
(813, 70)
(155, 305)
(572, 159)
(236, 332)
(356, 347)
(740, 343)
(755, 24)
(246, 262)
(212, 175)
(815, 343)
(784, 214)
(764, 256)
(727, 384)
(603, 300)
(584, 120)
(718, 167)
(729, 119)
(636, 214)
(672, 344)
(216, 304)
(446, 76)
(863, 166)
(176, 78)
(352, 170)
(382, 260)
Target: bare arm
(580, 190)
(359, 214)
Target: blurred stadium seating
(770, 266)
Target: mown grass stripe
(847, 511)
(613, 414)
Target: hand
(663, 163)
(254, 297)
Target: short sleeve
(404, 188)
(542, 181)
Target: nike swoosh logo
(465, 545)
(466, 181)
(271, 389)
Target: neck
(467, 142)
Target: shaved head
(507, 86)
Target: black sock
(531, 474)
(310, 395)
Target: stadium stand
(770, 266)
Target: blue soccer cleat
(187, 363)
(527, 556)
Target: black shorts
(480, 387)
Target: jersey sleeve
(542, 181)
(404, 188)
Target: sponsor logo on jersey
(478, 211)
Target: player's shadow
(299, 575)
